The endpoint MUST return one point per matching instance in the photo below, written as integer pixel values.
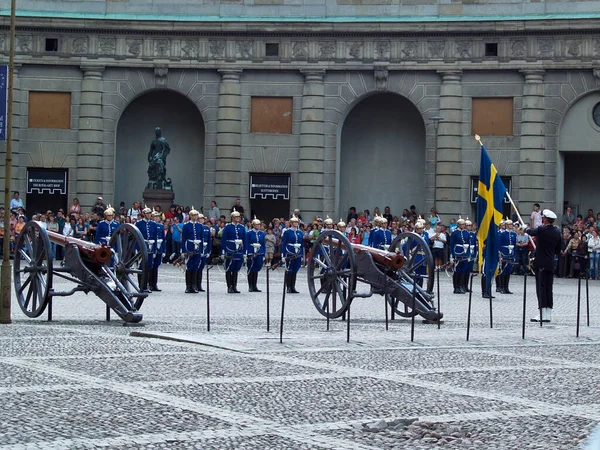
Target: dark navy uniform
(255, 254)
(382, 239)
(191, 244)
(148, 229)
(420, 271)
(547, 246)
(459, 250)
(105, 230)
(232, 248)
(205, 252)
(292, 251)
(507, 242)
(159, 251)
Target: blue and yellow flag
(490, 194)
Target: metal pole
(208, 297)
(437, 274)
(524, 301)
(578, 303)
(469, 308)
(6, 275)
(587, 296)
(268, 300)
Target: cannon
(336, 266)
(115, 273)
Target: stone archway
(578, 157)
(183, 127)
(382, 155)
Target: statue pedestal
(162, 197)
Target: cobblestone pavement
(80, 382)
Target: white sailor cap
(548, 214)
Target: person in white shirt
(594, 253)
(438, 241)
(536, 216)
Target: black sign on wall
(475, 185)
(46, 190)
(270, 186)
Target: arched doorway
(382, 156)
(182, 125)
(579, 158)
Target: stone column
(311, 166)
(91, 138)
(449, 164)
(228, 179)
(532, 154)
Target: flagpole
(478, 139)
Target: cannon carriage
(336, 267)
(115, 273)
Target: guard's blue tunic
(233, 251)
(372, 235)
(420, 256)
(191, 243)
(472, 250)
(255, 255)
(148, 230)
(507, 242)
(382, 238)
(105, 231)
(161, 244)
(292, 249)
(206, 246)
(459, 250)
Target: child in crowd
(270, 245)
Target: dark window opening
(491, 49)
(51, 44)
(272, 49)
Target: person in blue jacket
(148, 229)
(106, 227)
(291, 250)
(205, 251)
(255, 253)
(191, 245)
(507, 243)
(232, 250)
(459, 253)
(159, 252)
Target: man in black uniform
(547, 245)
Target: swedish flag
(490, 194)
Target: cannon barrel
(100, 254)
(388, 259)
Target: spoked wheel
(129, 270)
(418, 259)
(33, 269)
(331, 273)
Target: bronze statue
(157, 158)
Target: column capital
(450, 76)
(533, 75)
(232, 75)
(92, 71)
(314, 75)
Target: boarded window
(49, 109)
(492, 116)
(271, 115)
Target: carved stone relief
(24, 43)
(382, 50)
(327, 49)
(546, 48)
(160, 75)
(300, 50)
(107, 46)
(244, 49)
(409, 50)
(354, 49)
(464, 49)
(381, 78)
(436, 49)
(80, 46)
(518, 48)
(189, 49)
(162, 48)
(217, 48)
(574, 47)
(596, 46)
(134, 47)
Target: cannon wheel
(130, 261)
(331, 273)
(32, 269)
(417, 244)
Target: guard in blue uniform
(255, 254)
(471, 254)
(459, 252)
(148, 229)
(292, 251)
(507, 242)
(191, 244)
(161, 246)
(374, 230)
(421, 271)
(232, 250)
(328, 224)
(107, 227)
(383, 238)
(205, 251)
